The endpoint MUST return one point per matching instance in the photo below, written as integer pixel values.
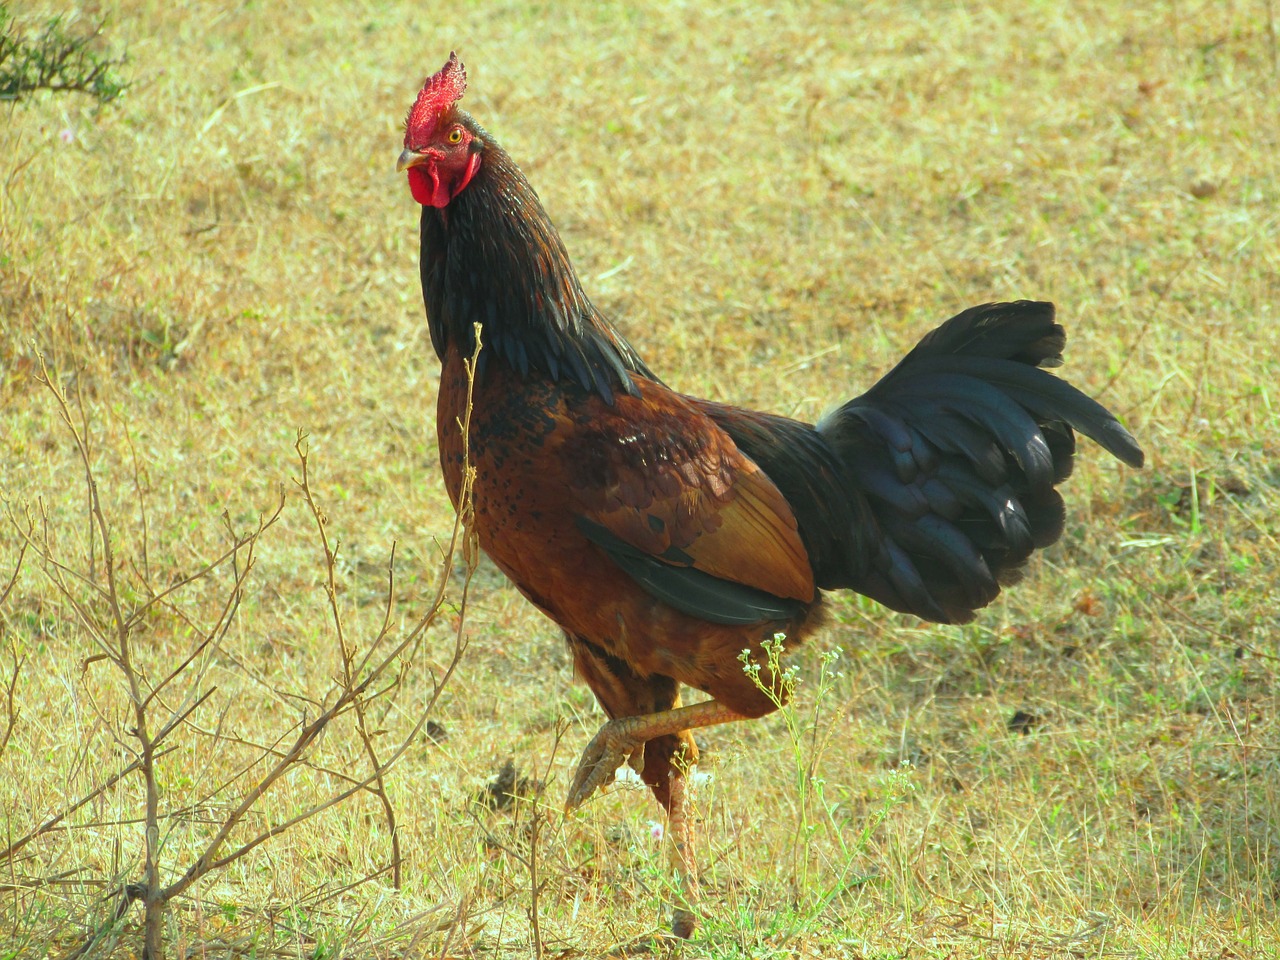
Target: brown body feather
(661, 476)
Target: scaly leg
(619, 738)
(684, 916)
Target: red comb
(439, 93)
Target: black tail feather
(929, 492)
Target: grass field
(774, 202)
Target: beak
(409, 158)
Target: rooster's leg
(619, 739)
(622, 738)
(684, 916)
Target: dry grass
(775, 202)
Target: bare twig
(230, 554)
(104, 604)
(348, 680)
(535, 830)
(141, 501)
(13, 578)
(118, 639)
(214, 635)
(10, 683)
(10, 686)
(53, 822)
(210, 858)
(39, 541)
(114, 635)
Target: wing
(672, 500)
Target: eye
(455, 135)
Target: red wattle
(427, 188)
(421, 187)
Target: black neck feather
(493, 257)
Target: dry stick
(57, 571)
(209, 859)
(53, 822)
(118, 650)
(82, 444)
(10, 708)
(11, 685)
(229, 554)
(153, 945)
(459, 918)
(230, 657)
(13, 579)
(396, 857)
(535, 828)
(331, 589)
(155, 898)
(220, 627)
(35, 883)
(446, 571)
(530, 862)
(359, 702)
(462, 525)
(463, 528)
(265, 750)
(178, 718)
(30, 537)
(142, 506)
(323, 893)
(392, 690)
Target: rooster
(666, 534)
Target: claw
(608, 750)
(636, 760)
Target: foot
(626, 736)
(606, 752)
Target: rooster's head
(441, 150)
